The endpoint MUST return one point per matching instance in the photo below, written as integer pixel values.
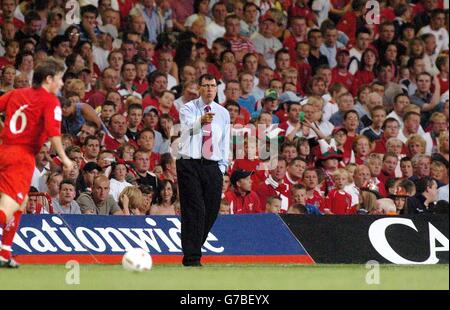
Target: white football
(137, 260)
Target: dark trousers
(200, 188)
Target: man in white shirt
(216, 28)
(362, 43)
(203, 159)
(266, 44)
(437, 28)
(331, 44)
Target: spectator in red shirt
(141, 83)
(303, 67)
(365, 74)
(313, 194)
(242, 199)
(340, 73)
(339, 202)
(273, 205)
(295, 171)
(391, 128)
(146, 141)
(297, 33)
(301, 8)
(117, 133)
(390, 161)
(11, 51)
(157, 84)
(442, 66)
(8, 8)
(354, 17)
(7, 79)
(166, 105)
(274, 185)
(109, 81)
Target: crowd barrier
(262, 238)
(55, 239)
(418, 239)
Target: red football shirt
(32, 116)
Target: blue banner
(234, 238)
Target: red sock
(8, 235)
(2, 218)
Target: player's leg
(12, 211)
(9, 231)
(8, 207)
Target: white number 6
(13, 123)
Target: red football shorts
(16, 171)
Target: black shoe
(192, 264)
(8, 263)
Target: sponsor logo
(58, 114)
(53, 236)
(377, 236)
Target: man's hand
(67, 164)
(207, 118)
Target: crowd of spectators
(355, 94)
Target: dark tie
(207, 148)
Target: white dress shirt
(191, 143)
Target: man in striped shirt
(239, 44)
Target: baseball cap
(109, 29)
(150, 109)
(289, 96)
(266, 17)
(238, 175)
(270, 94)
(337, 129)
(90, 166)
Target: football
(137, 260)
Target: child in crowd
(339, 202)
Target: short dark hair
(32, 15)
(281, 51)
(287, 144)
(21, 55)
(88, 9)
(291, 104)
(351, 112)
(154, 75)
(206, 76)
(233, 103)
(145, 130)
(436, 12)
(440, 61)
(88, 138)
(423, 183)
(225, 43)
(309, 35)
(400, 95)
(389, 120)
(56, 41)
(134, 106)
(362, 30)
(249, 4)
(49, 67)
(165, 159)
(66, 181)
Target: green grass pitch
(227, 277)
